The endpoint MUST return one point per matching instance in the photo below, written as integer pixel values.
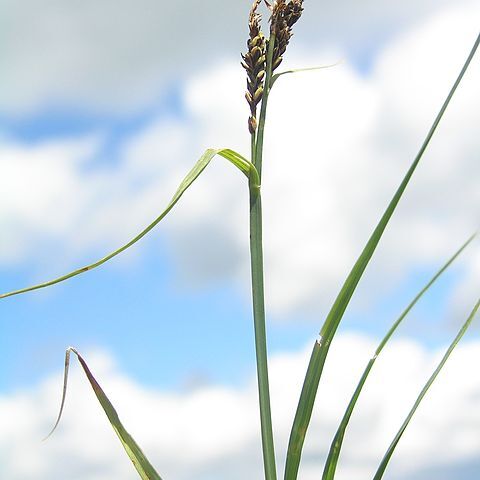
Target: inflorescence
(282, 18)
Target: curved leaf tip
(138, 458)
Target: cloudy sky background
(103, 109)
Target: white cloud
(35, 182)
(212, 432)
(337, 145)
(119, 55)
(55, 197)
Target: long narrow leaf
(299, 70)
(235, 158)
(334, 453)
(138, 458)
(383, 464)
(322, 345)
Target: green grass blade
(334, 452)
(236, 159)
(383, 465)
(322, 345)
(138, 458)
(298, 70)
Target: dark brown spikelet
(284, 16)
(254, 63)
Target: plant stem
(256, 257)
(258, 157)
(258, 295)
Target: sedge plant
(261, 60)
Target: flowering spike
(254, 63)
(284, 16)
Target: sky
(105, 106)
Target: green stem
(256, 255)
(258, 157)
(258, 295)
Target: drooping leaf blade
(138, 458)
(322, 345)
(388, 455)
(335, 448)
(235, 158)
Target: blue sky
(165, 335)
(95, 142)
